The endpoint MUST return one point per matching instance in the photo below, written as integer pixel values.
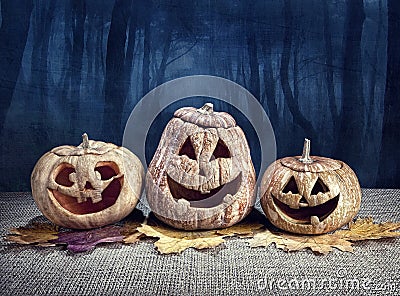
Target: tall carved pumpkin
(87, 186)
(201, 175)
(310, 195)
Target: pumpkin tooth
(97, 197)
(313, 201)
(228, 199)
(294, 206)
(97, 174)
(73, 178)
(183, 204)
(303, 205)
(321, 195)
(314, 220)
(81, 199)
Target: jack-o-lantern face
(87, 186)
(310, 195)
(201, 176)
(202, 172)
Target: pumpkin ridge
(205, 119)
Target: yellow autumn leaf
(132, 238)
(362, 229)
(172, 240)
(39, 233)
(242, 229)
(246, 228)
(322, 244)
(175, 241)
(366, 229)
(130, 232)
(129, 229)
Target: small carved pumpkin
(310, 195)
(201, 175)
(87, 186)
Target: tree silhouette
(389, 166)
(13, 35)
(291, 102)
(114, 94)
(353, 106)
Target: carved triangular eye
(291, 186)
(319, 187)
(187, 149)
(221, 150)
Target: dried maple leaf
(175, 241)
(82, 241)
(130, 227)
(129, 230)
(362, 229)
(246, 228)
(132, 238)
(365, 229)
(320, 243)
(172, 240)
(39, 233)
(242, 229)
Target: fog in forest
(325, 70)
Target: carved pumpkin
(310, 195)
(201, 175)
(87, 186)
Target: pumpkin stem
(85, 141)
(206, 109)
(305, 157)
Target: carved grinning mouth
(109, 197)
(304, 215)
(204, 200)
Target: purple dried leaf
(82, 241)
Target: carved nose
(303, 202)
(88, 185)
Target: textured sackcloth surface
(231, 269)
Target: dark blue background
(326, 70)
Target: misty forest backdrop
(326, 70)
